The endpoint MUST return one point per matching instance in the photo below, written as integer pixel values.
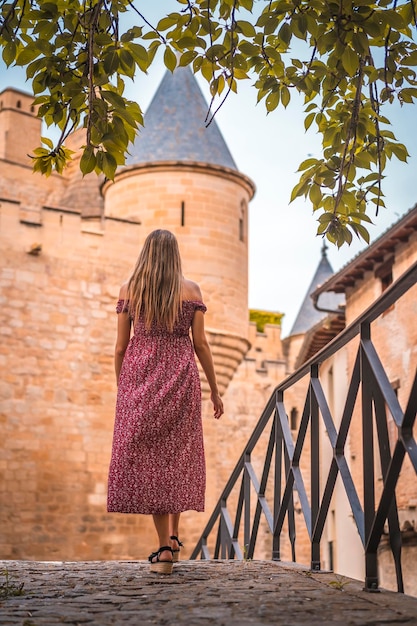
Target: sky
(284, 250)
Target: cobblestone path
(224, 593)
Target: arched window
(18, 105)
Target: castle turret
(20, 128)
(309, 315)
(181, 176)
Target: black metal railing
(370, 390)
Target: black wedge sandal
(161, 566)
(176, 553)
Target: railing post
(223, 532)
(385, 457)
(276, 539)
(371, 563)
(315, 470)
(246, 510)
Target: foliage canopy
(357, 56)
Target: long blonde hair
(154, 289)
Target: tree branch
(142, 17)
(90, 52)
(350, 136)
(5, 24)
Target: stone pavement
(235, 593)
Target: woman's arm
(123, 335)
(203, 352)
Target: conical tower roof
(308, 316)
(174, 126)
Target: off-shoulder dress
(157, 464)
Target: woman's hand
(217, 405)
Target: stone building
(394, 335)
(67, 243)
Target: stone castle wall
(57, 323)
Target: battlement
(266, 350)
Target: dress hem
(197, 510)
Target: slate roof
(308, 316)
(175, 128)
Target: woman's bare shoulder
(190, 290)
(123, 291)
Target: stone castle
(67, 244)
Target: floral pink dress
(157, 464)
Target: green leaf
(111, 62)
(285, 96)
(165, 23)
(309, 120)
(300, 189)
(111, 96)
(206, 69)
(170, 60)
(360, 231)
(187, 58)
(47, 142)
(359, 217)
(127, 63)
(393, 19)
(140, 56)
(88, 161)
(271, 24)
(9, 53)
(299, 26)
(408, 94)
(272, 101)
(246, 4)
(326, 218)
(315, 195)
(28, 54)
(348, 236)
(246, 28)
(133, 33)
(307, 164)
(103, 39)
(106, 163)
(350, 61)
(285, 34)
(34, 67)
(248, 49)
(400, 151)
